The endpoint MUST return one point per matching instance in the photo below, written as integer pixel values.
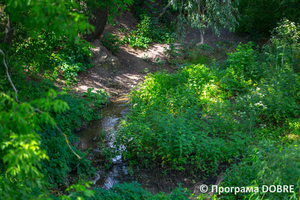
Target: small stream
(89, 138)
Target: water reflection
(89, 138)
(117, 174)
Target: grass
(199, 58)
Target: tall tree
(201, 14)
(64, 18)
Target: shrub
(168, 123)
(242, 70)
(149, 30)
(286, 32)
(269, 163)
(21, 150)
(47, 54)
(61, 160)
(111, 42)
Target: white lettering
(214, 188)
(265, 188)
(249, 189)
(285, 188)
(227, 189)
(279, 188)
(274, 188)
(243, 190)
(291, 188)
(221, 190)
(236, 190)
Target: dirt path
(134, 63)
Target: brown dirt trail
(135, 62)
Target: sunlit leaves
(167, 125)
(61, 17)
(21, 150)
(201, 14)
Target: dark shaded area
(98, 19)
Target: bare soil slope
(133, 62)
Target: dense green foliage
(242, 112)
(40, 138)
(261, 16)
(61, 162)
(150, 28)
(269, 163)
(35, 156)
(63, 18)
(201, 14)
(111, 42)
(21, 150)
(48, 55)
(177, 120)
(274, 157)
(158, 24)
(203, 116)
(45, 16)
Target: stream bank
(119, 82)
(101, 133)
(156, 179)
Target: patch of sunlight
(292, 137)
(211, 94)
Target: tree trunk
(98, 20)
(201, 38)
(8, 32)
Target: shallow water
(89, 139)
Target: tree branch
(66, 138)
(8, 76)
(165, 8)
(37, 110)
(8, 32)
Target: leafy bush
(243, 61)
(149, 30)
(150, 27)
(111, 42)
(242, 71)
(200, 117)
(168, 124)
(21, 150)
(284, 47)
(268, 164)
(286, 32)
(48, 54)
(61, 160)
(99, 98)
(73, 58)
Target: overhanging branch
(8, 76)
(37, 110)
(165, 8)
